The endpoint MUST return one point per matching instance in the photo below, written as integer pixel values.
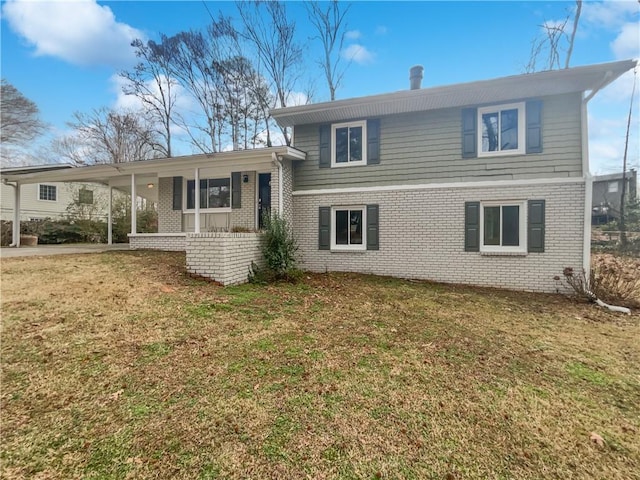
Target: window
(85, 196)
(502, 227)
(349, 140)
(214, 193)
(613, 187)
(47, 192)
(347, 225)
(501, 130)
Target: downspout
(586, 171)
(278, 162)
(15, 241)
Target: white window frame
(522, 248)
(355, 247)
(521, 150)
(614, 184)
(334, 127)
(206, 210)
(45, 199)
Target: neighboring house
(607, 191)
(483, 183)
(51, 199)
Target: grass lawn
(117, 365)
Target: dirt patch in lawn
(118, 365)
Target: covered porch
(210, 206)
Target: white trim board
(430, 186)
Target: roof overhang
(114, 174)
(553, 82)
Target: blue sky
(65, 56)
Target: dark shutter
(324, 228)
(469, 133)
(325, 146)
(236, 190)
(373, 142)
(534, 126)
(536, 226)
(472, 226)
(373, 227)
(177, 193)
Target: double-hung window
(501, 130)
(349, 142)
(503, 227)
(348, 227)
(214, 193)
(47, 192)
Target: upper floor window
(214, 193)
(85, 196)
(350, 145)
(501, 130)
(613, 187)
(47, 192)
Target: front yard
(118, 366)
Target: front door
(264, 197)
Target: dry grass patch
(117, 365)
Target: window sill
(348, 250)
(360, 163)
(505, 153)
(503, 254)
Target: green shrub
(279, 251)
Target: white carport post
(134, 205)
(110, 217)
(16, 215)
(197, 199)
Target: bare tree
(548, 47)
(623, 226)
(107, 136)
(330, 24)
(151, 82)
(272, 35)
(19, 122)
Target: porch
(205, 203)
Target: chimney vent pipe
(415, 77)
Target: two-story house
(483, 183)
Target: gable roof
(553, 82)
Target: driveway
(42, 250)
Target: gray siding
(425, 147)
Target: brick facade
(223, 257)
(169, 220)
(245, 216)
(154, 241)
(422, 236)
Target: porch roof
(244, 160)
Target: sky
(66, 55)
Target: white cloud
(352, 35)
(627, 43)
(79, 31)
(297, 98)
(608, 14)
(381, 30)
(358, 54)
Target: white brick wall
(246, 215)
(422, 236)
(223, 257)
(154, 241)
(169, 220)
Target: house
(51, 199)
(483, 183)
(607, 191)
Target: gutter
(278, 162)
